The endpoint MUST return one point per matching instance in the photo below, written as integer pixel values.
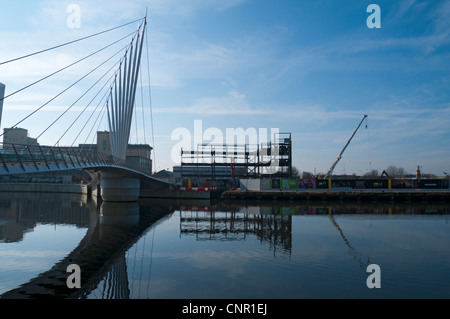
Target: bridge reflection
(113, 229)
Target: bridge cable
(150, 99)
(78, 98)
(142, 266)
(151, 262)
(134, 263)
(87, 105)
(136, 122)
(38, 109)
(71, 42)
(105, 111)
(142, 101)
(66, 67)
(102, 112)
(90, 116)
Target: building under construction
(223, 161)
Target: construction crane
(330, 171)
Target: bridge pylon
(120, 106)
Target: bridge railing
(47, 157)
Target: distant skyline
(311, 68)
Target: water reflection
(19, 213)
(271, 223)
(173, 249)
(275, 230)
(111, 229)
(119, 214)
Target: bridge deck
(24, 159)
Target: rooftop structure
(17, 135)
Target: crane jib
(330, 171)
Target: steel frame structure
(273, 158)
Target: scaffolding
(272, 229)
(224, 161)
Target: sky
(309, 68)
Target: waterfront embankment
(431, 195)
(44, 188)
(342, 194)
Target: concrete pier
(114, 188)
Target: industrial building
(212, 162)
(17, 136)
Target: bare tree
(307, 175)
(295, 173)
(394, 171)
(371, 173)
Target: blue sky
(311, 68)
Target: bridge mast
(120, 106)
(122, 96)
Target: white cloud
(231, 104)
(187, 8)
(174, 64)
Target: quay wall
(43, 188)
(341, 184)
(257, 194)
(341, 195)
(86, 190)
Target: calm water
(174, 250)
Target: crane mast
(330, 171)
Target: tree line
(391, 171)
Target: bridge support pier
(115, 188)
(119, 214)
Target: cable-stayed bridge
(114, 178)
